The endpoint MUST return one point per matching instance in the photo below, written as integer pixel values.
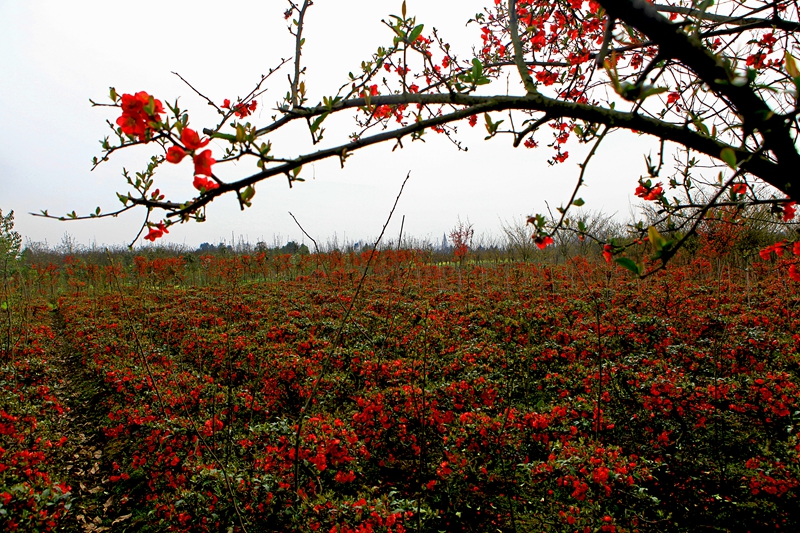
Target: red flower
(561, 157)
(793, 273)
(138, 103)
(778, 247)
(156, 232)
(649, 193)
(341, 477)
(140, 112)
(191, 139)
(175, 154)
(789, 209)
(542, 242)
(607, 252)
(383, 111)
(203, 162)
(473, 120)
(211, 426)
(131, 126)
(204, 184)
(739, 188)
(240, 110)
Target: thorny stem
(197, 433)
(337, 340)
(578, 185)
(134, 334)
(298, 45)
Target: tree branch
(759, 166)
(756, 114)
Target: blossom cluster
(141, 115)
(241, 109)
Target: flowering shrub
(539, 398)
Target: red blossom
(203, 162)
(156, 232)
(649, 192)
(341, 477)
(608, 252)
(211, 426)
(673, 97)
(140, 113)
(202, 183)
(739, 188)
(543, 242)
(789, 209)
(191, 140)
(175, 154)
(793, 273)
(241, 110)
(383, 111)
(777, 248)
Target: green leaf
(416, 32)
(629, 264)
(578, 202)
(491, 127)
(241, 134)
(315, 125)
(477, 68)
(247, 195)
(655, 238)
(791, 65)
(702, 128)
(729, 156)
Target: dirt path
(86, 460)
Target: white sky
(55, 55)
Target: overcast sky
(56, 55)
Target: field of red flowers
(510, 397)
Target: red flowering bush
(468, 399)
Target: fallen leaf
(121, 518)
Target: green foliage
(10, 243)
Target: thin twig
(337, 339)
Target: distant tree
(10, 248)
(292, 247)
(10, 243)
(518, 239)
(461, 237)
